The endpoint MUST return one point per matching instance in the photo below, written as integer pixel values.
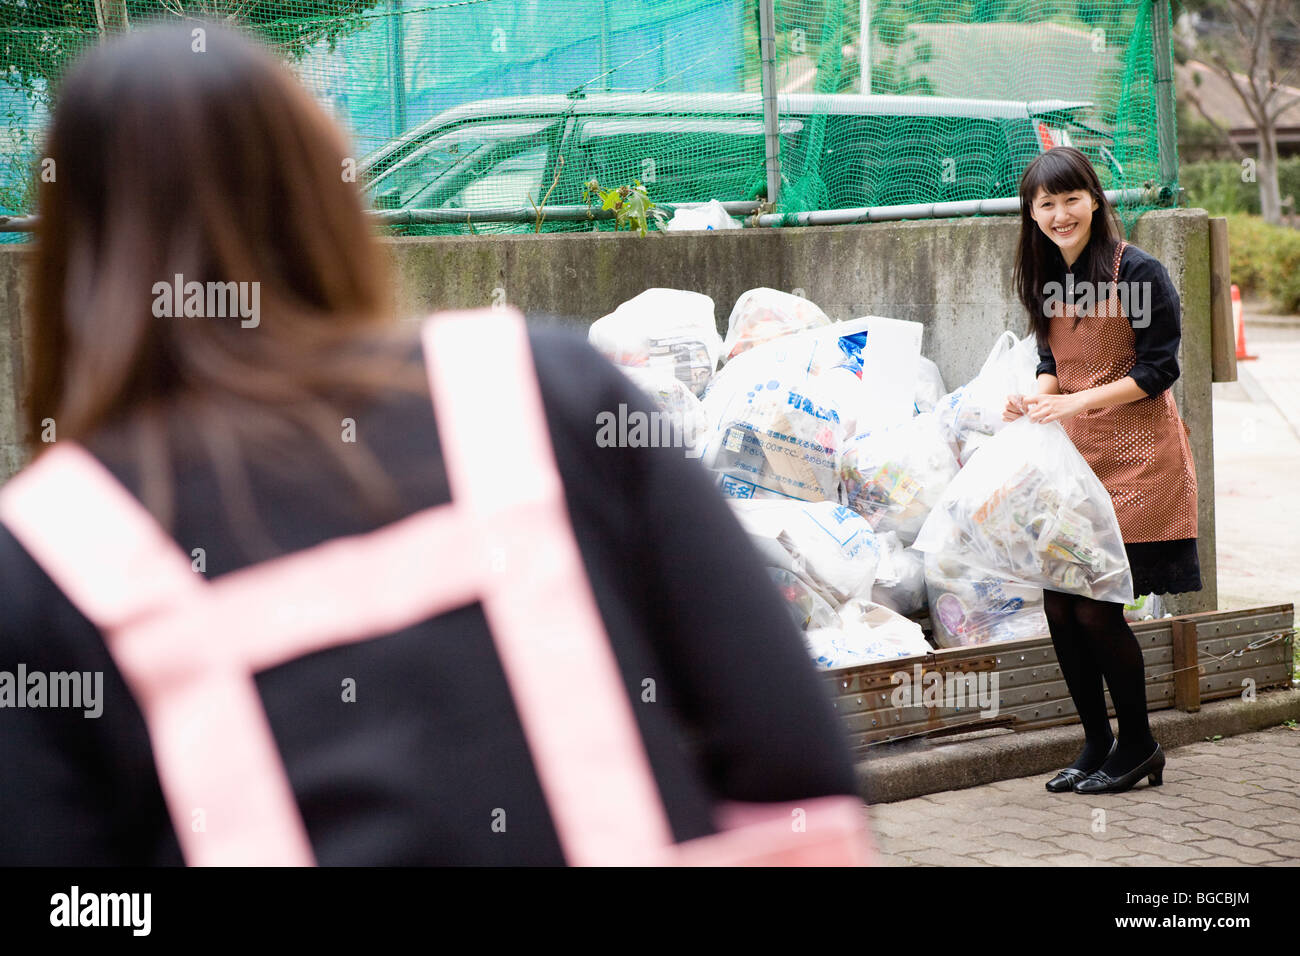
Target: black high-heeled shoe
(1153, 768)
(1067, 778)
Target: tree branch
(1222, 130)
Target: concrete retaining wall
(954, 276)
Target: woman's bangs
(1053, 174)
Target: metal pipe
(1166, 116)
(427, 217)
(396, 66)
(413, 217)
(771, 119)
(823, 217)
(864, 47)
(935, 210)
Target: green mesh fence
(468, 105)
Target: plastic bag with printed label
(777, 415)
(894, 476)
(685, 422)
(825, 545)
(973, 413)
(969, 606)
(710, 216)
(669, 329)
(865, 632)
(1029, 509)
(761, 315)
(929, 385)
(902, 587)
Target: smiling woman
(1105, 373)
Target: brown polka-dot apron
(1139, 450)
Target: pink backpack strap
(188, 648)
(226, 789)
(96, 541)
(576, 712)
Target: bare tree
(110, 16)
(1254, 45)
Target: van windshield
(410, 181)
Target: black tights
(1093, 641)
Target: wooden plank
(1056, 703)
(1223, 337)
(1030, 687)
(1221, 686)
(1186, 673)
(1230, 618)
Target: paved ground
(1232, 802)
(1256, 465)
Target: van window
(515, 181)
(411, 182)
(679, 159)
(893, 160)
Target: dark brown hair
(1039, 262)
(191, 151)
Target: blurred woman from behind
(213, 326)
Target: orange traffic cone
(1239, 324)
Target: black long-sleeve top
(1155, 343)
(415, 769)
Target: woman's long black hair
(1039, 262)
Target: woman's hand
(1015, 408)
(1053, 408)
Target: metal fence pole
(771, 121)
(864, 47)
(397, 67)
(1166, 118)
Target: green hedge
(1217, 186)
(1265, 261)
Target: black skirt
(1164, 567)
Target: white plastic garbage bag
(865, 632)
(929, 385)
(969, 606)
(828, 547)
(894, 476)
(973, 412)
(662, 328)
(1028, 508)
(777, 416)
(808, 608)
(1147, 607)
(712, 215)
(890, 365)
(761, 315)
(686, 422)
(900, 578)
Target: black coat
(413, 770)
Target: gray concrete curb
(1283, 321)
(1276, 321)
(916, 768)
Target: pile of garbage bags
(872, 493)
